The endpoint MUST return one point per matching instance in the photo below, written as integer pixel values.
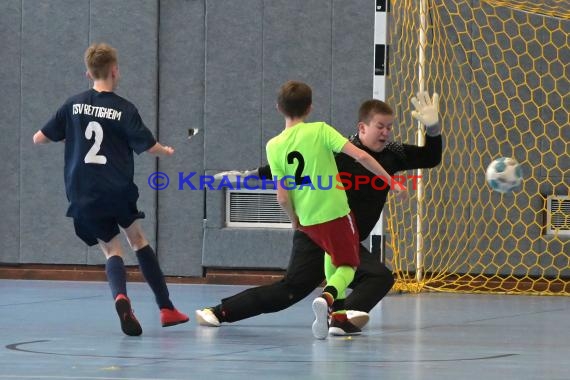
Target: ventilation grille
(255, 208)
(558, 215)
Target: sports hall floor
(69, 330)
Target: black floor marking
(50, 300)
(222, 357)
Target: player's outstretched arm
(427, 112)
(232, 175)
(40, 138)
(162, 150)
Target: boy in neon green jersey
(301, 157)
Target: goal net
(502, 70)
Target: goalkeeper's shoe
(206, 317)
(341, 326)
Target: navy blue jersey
(101, 131)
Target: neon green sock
(340, 280)
(329, 267)
(330, 270)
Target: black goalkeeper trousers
(372, 281)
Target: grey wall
(46, 41)
(181, 106)
(10, 45)
(51, 70)
(138, 61)
(209, 64)
(42, 64)
(252, 47)
(217, 65)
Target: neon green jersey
(304, 153)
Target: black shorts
(89, 229)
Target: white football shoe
(206, 317)
(321, 324)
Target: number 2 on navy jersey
(92, 157)
(299, 179)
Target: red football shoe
(171, 317)
(129, 323)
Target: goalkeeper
(305, 272)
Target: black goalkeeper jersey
(367, 202)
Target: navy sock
(154, 277)
(116, 275)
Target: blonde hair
(99, 58)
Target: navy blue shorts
(90, 229)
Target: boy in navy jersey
(101, 130)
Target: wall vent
(255, 208)
(558, 215)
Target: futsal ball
(504, 174)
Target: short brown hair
(99, 58)
(371, 107)
(295, 98)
